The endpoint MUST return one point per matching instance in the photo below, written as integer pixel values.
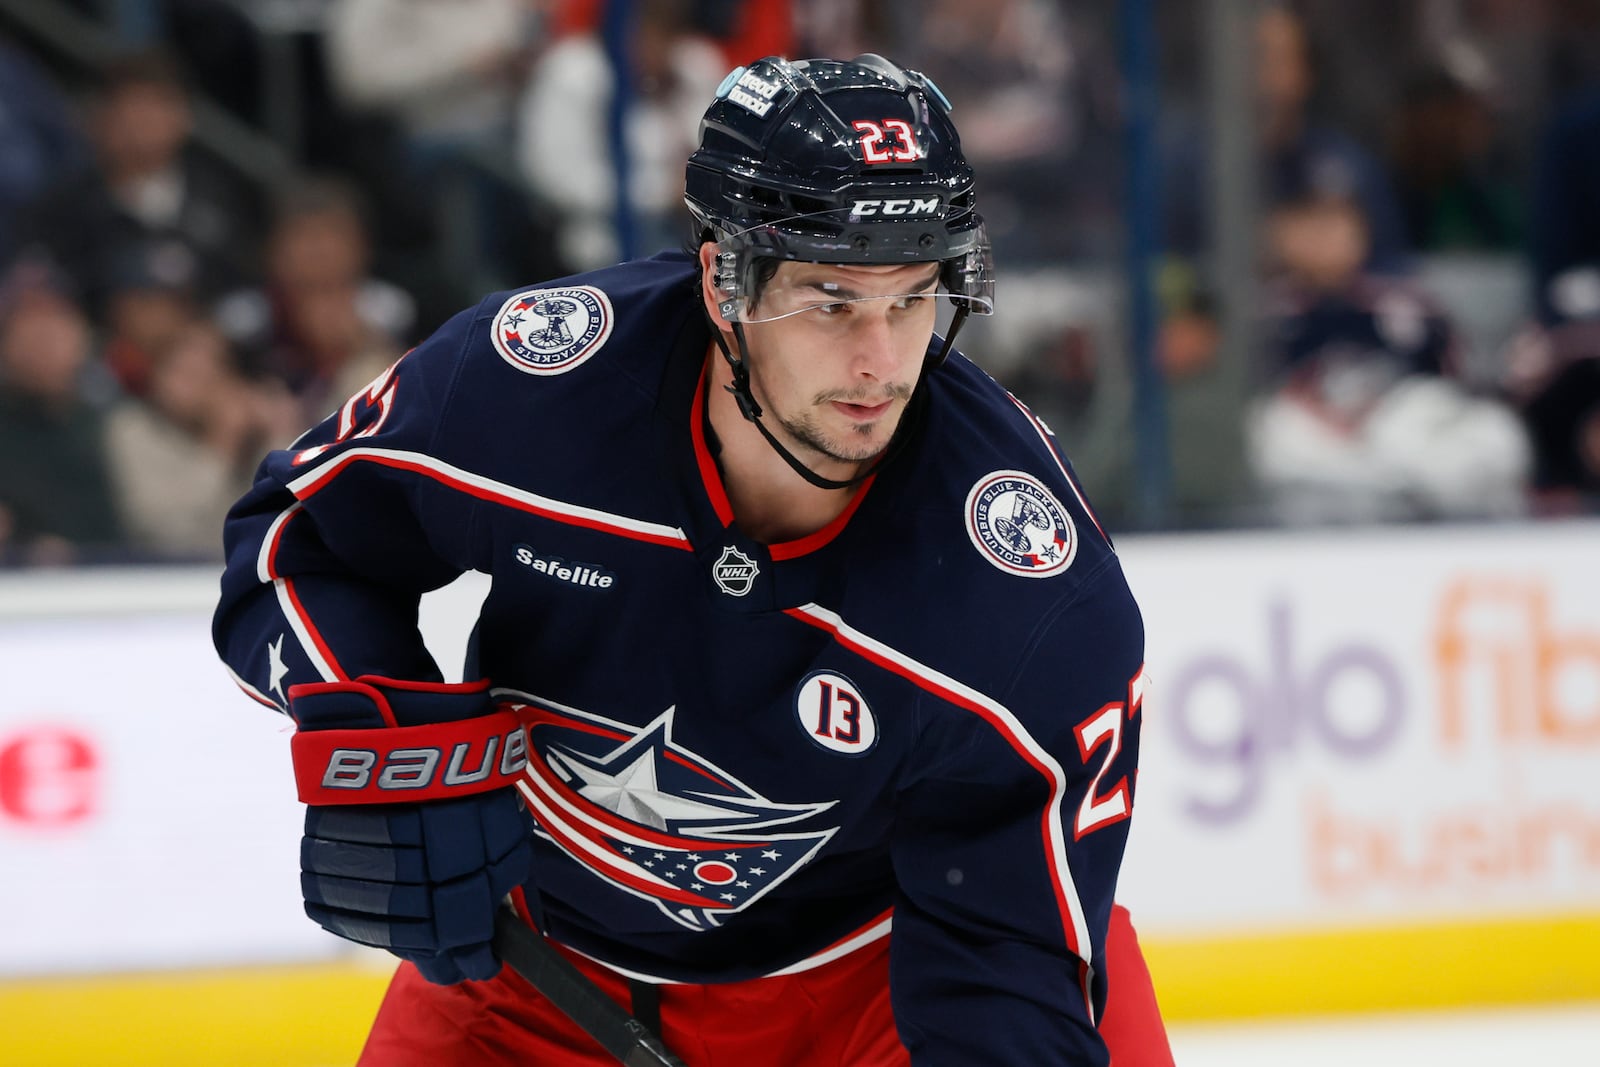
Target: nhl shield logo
(735, 572)
(551, 331)
(1017, 525)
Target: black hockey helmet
(835, 162)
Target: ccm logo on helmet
(928, 205)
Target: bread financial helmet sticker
(1017, 525)
(551, 331)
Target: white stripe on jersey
(860, 939)
(270, 542)
(301, 627)
(1048, 436)
(313, 480)
(251, 691)
(843, 948)
(1016, 735)
(291, 614)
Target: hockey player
(810, 686)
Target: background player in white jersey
(810, 686)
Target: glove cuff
(404, 764)
(375, 701)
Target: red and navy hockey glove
(413, 832)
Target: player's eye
(910, 301)
(830, 310)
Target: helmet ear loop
(740, 365)
(963, 309)
(724, 281)
(752, 412)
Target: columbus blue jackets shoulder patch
(551, 331)
(1019, 526)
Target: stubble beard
(858, 443)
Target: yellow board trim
(262, 1017)
(1457, 964)
(318, 1016)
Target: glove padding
(423, 879)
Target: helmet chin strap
(752, 410)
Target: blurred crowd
(167, 314)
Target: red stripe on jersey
(619, 869)
(537, 768)
(1061, 463)
(269, 562)
(811, 542)
(710, 477)
(308, 486)
(340, 674)
(257, 697)
(299, 619)
(1053, 838)
(853, 934)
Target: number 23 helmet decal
(835, 162)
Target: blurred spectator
(449, 70)
(55, 492)
(322, 320)
(148, 187)
(1554, 367)
(150, 298)
(745, 30)
(564, 141)
(343, 351)
(1456, 192)
(220, 48)
(447, 76)
(749, 29)
(1359, 419)
(1565, 228)
(180, 456)
(1563, 417)
(1038, 91)
(844, 28)
(1059, 376)
(39, 140)
(1300, 156)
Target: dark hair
(153, 68)
(319, 194)
(764, 270)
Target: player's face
(835, 376)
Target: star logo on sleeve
(276, 670)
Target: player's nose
(872, 347)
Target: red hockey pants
(767, 1022)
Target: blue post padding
(1142, 214)
(615, 25)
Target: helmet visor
(756, 288)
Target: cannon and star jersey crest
(743, 759)
(652, 819)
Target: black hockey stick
(569, 989)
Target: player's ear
(709, 293)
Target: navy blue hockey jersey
(744, 759)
